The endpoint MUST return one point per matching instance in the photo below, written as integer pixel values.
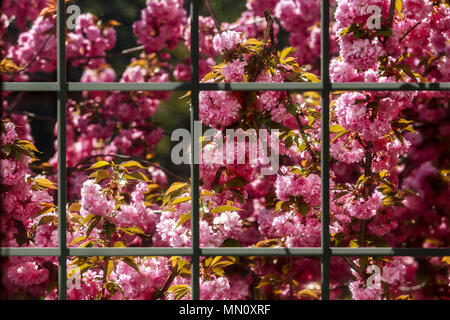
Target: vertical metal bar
(195, 232)
(325, 152)
(62, 178)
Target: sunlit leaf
(224, 209)
(132, 163)
(100, 164)
(45, 183)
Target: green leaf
(238, 195)
(110, 267)
(224, 209)
(136, 176)
(45, 183)
(291, 108)
(183, 219)
(209, 76)
(285, 52)
(310, 77)
(27, 145)
(236, 182)
(88, 218)
(340, 134)
(176, 186)
(132, 163)
(385, 32)
(130, 261)
(93, 224)
(133, 230)
(363, 262)
(179, 290)
(76, 240)
(75, 207)
(279, 205)
(186, 95)
(101, 175)
(353, 244)
(119, 244)
(303, 208)
(347, 30)
(99, 164)
(288, 142)
(232, 243)
(47, 219)
(180, 200)
(398, 6)
(253, 41)
(336, 128)
(46, 208)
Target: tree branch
(302, 130)
(409, 31)
(36, 54)
(391, 13)
(160, 293)
(213, 16)
(112, 55)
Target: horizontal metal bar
(413, 252)
(130, 251)
(254, 86)
(261, 251)
(120, 86)
(29, 252)
(30, 86)
(395, 86)
(261, 86)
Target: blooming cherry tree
(389, 170)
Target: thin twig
(32, 115)
(112, 55)
(269, 29)
(409, 31)
(213, 16)
(391, 13)
(16, 101)
(302, 130)
(160, 293)
(270, 32)
(35, 56)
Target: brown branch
(32, 115)
(16, 101)
(213, 16)
(36, 54)
(391, 13)
(160, 293)
(352, 264)
(112, 55)
(271, 34)
(269, 30)
(302, 130)
(409, 31)
(268, 34)
(367, 174)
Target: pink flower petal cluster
(90, 40)
(227, 40)
(94, 202)
(161, 25)
(218, 108)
